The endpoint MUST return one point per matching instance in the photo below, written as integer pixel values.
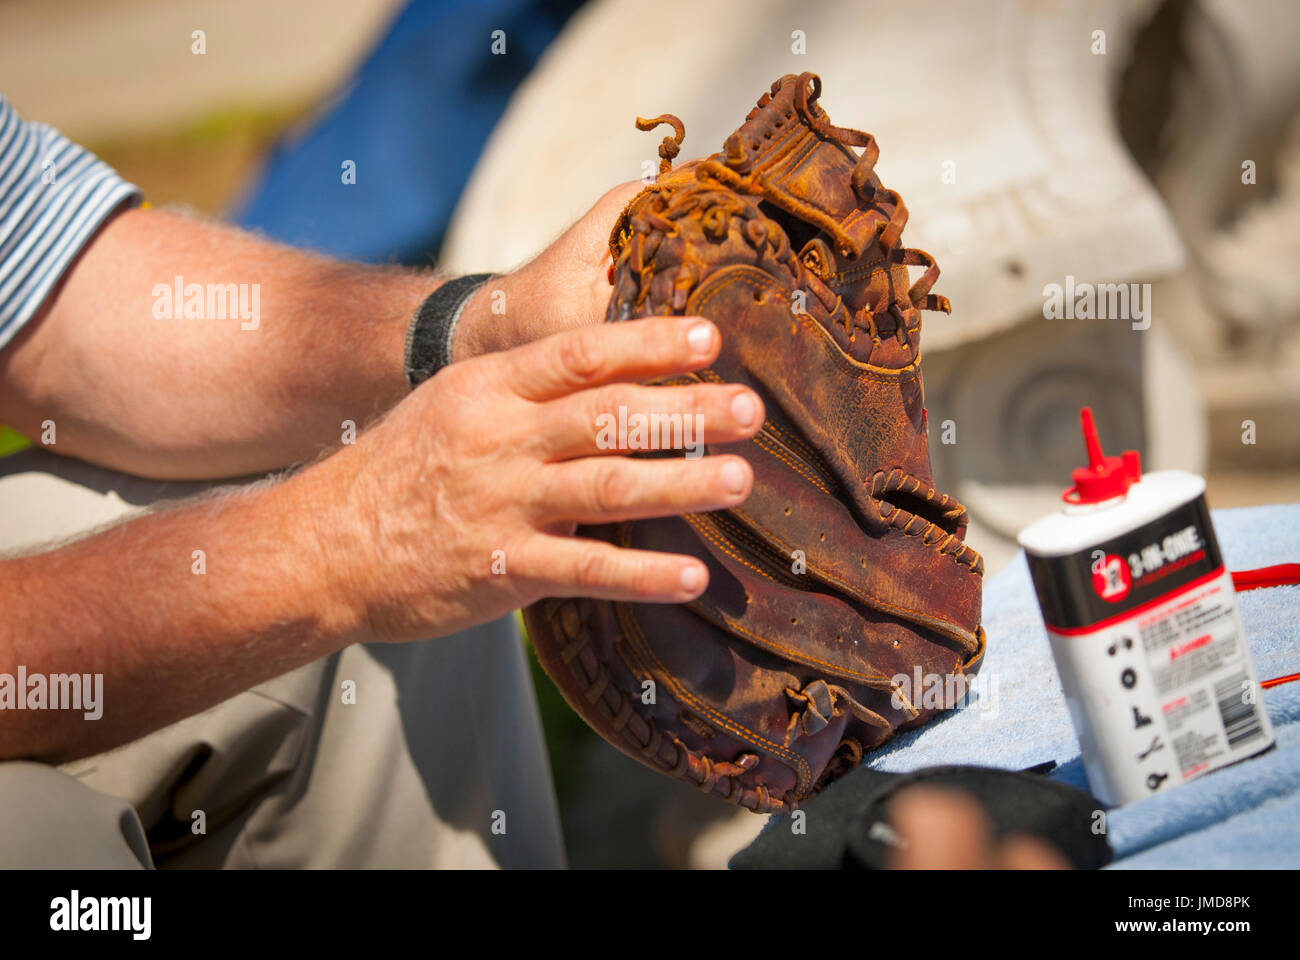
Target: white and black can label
(1143, 625)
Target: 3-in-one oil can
(1142, 619)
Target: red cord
(1280, 575)
(1278, 681)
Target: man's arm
(167, 638)
(456, 508)
(132, 383)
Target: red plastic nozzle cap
(1104, 477)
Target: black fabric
(428, 341)
(847, 826)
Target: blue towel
(1245, 815)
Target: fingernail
(733, 476)
(744, 408)
(692, 578)
(700, 337)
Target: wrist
(475, 334)
(487, 324)
(326, 527)
(435, 326)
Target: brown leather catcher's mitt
(845, 571)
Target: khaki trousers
(439, 762)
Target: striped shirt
(53, 196)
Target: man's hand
(460, 506)
(565, 286)
(455, 509)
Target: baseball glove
(843, 604)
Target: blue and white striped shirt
(53, 196)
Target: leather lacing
(821, 702)
(884, 206)
(671, 146)
(847, 757)
(912, 525)
(643, 232)
(647, 228)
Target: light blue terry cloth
(1245, 815)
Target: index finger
(574, 360)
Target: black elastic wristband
(428, 340)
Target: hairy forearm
(172, 631)
(131, 382)
(131, 379)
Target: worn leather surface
(846, 569)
